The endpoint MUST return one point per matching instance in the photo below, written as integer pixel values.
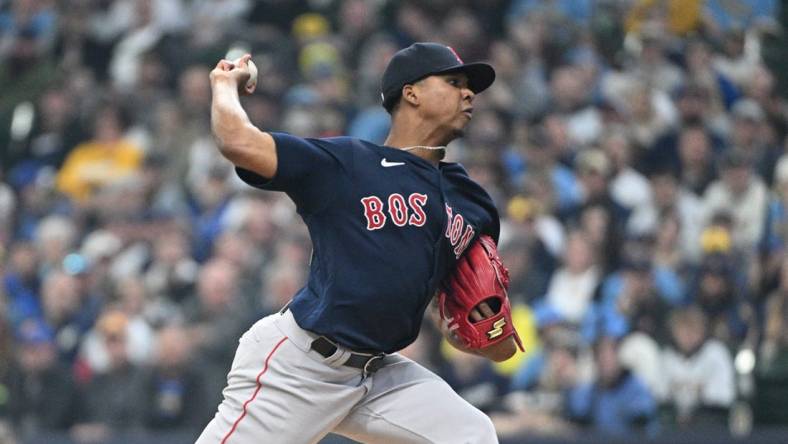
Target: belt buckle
(368, 366)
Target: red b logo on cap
(455, 54)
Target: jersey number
(402, 212)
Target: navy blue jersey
(386, 227)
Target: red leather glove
(479, 277)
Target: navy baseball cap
(420, 60)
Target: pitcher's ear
(410, 94)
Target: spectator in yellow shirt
(103, 160)
(680, 16)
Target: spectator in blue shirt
(617, 403)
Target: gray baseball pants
(280, 391)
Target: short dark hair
(392, 104)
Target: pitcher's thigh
(275, 395)
(410, 404)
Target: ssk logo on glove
(497, 329)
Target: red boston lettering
(466, 239)
(417, 202)
(456, 229)
(373, 211)
(398, 209)
(448, 221)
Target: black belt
(366, 362)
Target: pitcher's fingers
(225, 65)
(486, 310)
(244, 60)
(476, 315)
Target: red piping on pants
(256, 391)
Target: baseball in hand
(252, 82)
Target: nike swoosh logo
(385, 163)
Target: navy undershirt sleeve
(310, 171)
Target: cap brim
(480, 75)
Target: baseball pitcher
(395, 231)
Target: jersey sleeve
(492, 222)
(310, 171)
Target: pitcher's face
(447, 100)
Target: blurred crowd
(636, 150)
